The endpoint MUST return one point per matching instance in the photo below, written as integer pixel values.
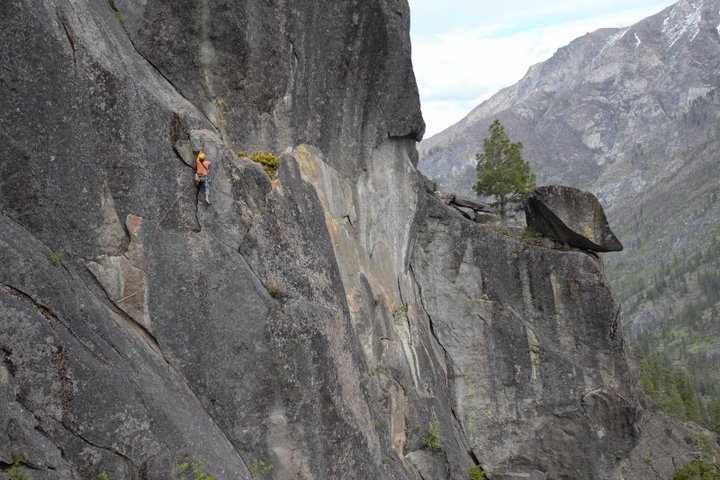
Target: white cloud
(459, 67)
(447, 112)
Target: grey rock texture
(569, 215)
(501, 309)
(471, 209)
(302, 324)
(273, 74)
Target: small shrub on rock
(190, 471)
(476, 473)
(531, 236)
(55, 256)
(432, 440)
(261, 467)
(14, 472)
(400, 314)
(704, 466)
(269, 162)
(274, 291)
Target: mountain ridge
(550, 90)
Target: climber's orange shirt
(202, 167)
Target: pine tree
(690, 398)
(714, 416)
(501, 170)
(704, 465)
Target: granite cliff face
(319, 327)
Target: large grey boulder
(572, 216)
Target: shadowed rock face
(531, 338)
(569, 215)
(320, 325)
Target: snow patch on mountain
(697, 92)
(680, 23)
(612, 39)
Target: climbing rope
(148, 257)
(162, 217)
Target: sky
(464, 51)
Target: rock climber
(202, 174)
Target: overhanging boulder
(572, 216)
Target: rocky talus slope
(339, 325)
(632, 115)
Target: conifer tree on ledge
(501, 170)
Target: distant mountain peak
(585, 113)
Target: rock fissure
(250, 267)
(77, 434)
(461, 430)
(615, 325)
(167, 79)
(52, 319)
(44, 311)
(457, 420)
(294, 52)
(209, 415)
(144, 333)
(69, 36)
(430, 322)
(197, 211)
(110, 344)
(403, 391)
(402, 300)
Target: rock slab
(572, 216)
